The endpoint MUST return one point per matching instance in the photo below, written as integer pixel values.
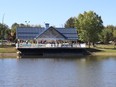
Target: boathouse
(48, 40)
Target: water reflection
(58, 72)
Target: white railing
(65, 45)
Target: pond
(58, 72)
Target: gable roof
(27, 33)
(51, 33)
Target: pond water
(58, 72)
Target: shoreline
(103, 54)
(11, 52)
(8, 55)
(14, 55)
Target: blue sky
(55, 12)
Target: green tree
(14, 26)
(111, 30)
(3, 28)
(13, 31)
(70, 23)
(7, 34)
(114, 33)
(107, 34)
(89, 25)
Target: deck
(65, 45)
(51, 50)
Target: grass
(103, 46)
(7, 49)
(106, 50)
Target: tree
(111, 30)
(70, 23)
(3, 28)
(13, 31)
(7, 35)
(89, 25)
(107, 34)
(14, 26)
(114, 33)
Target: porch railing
(24, 45)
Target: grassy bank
(104, 50)
(7, 49)
(8, 52)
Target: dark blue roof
(70, 33)
(27, 33)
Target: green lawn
(7, 49)
(106, 50)
(102, 46)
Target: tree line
(90, 28)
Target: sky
(55, 12)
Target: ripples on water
(58, 72)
